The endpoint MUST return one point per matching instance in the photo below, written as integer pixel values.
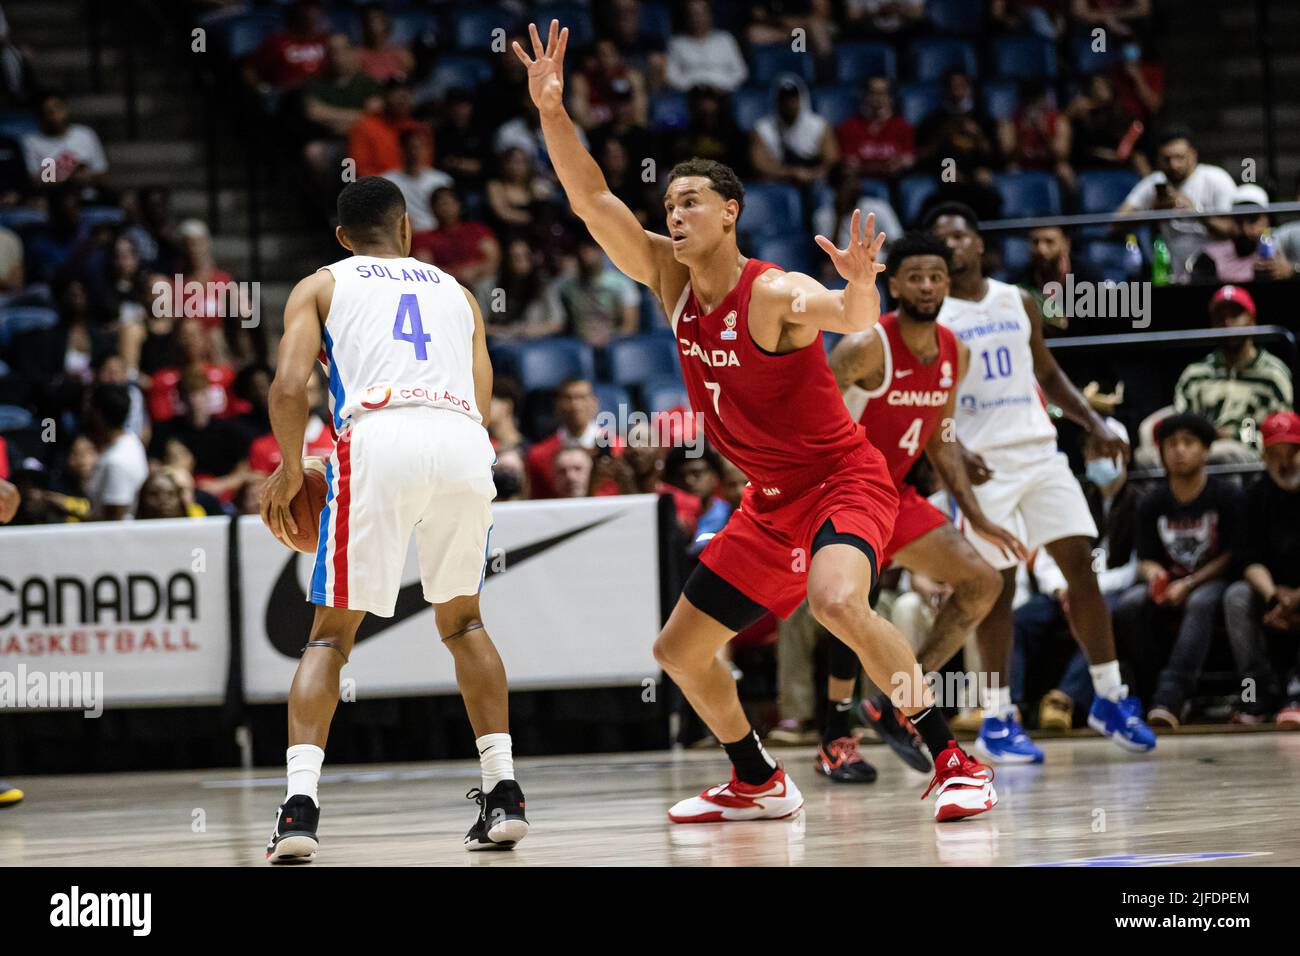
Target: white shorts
(1034, 496)
(394, 472)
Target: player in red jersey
(900, 381)
(820, 505)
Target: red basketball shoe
(733, 800)
(965, 785)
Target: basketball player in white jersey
(410, 383)
(1004, 426)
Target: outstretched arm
(1060, 390)
(637, 253)
(801, 300)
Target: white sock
(996, 701)
(304, 762)
(1106, 682)
(496, 759)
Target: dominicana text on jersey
(998, 403)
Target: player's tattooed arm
(858, 361)
(482, 363)
(639, 254)
(1061, 392)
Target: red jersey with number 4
(778, 418)
(904, 410)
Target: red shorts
(765, 552)
(916, 518)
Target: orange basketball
(307, 504)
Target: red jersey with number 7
(903, 411)
(778, 418)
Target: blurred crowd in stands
(133, 377)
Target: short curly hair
(721, 177)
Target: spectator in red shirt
(382, 59)
(575, 407)
(1038, 136)
(467, 250)
(290, 56)
(318, 440)
(877, 141)
(195, 353)
(375, 141)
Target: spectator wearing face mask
(1113, 504)
(1263, 609)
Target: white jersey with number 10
(399, 332)
(998, 403)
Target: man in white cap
(1245, 251)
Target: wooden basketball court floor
(1220, 799)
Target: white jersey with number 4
(998, 403)
(399, 332)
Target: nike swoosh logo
(289, 617)
(903, 372)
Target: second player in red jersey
(900, 379)
(819, 510)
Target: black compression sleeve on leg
(844, 663)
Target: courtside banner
(570, 597)
(135, 609)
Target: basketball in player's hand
(307, 504)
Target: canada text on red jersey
(903, 411)
(778, 418)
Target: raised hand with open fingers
(856, 262)
(545, 66)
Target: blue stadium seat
(668, 111)
(771, 209)
(657, 20)
(792, 252)
(471, 29)
(1104, 190)
(638, 358)
(1084, 60)
(769, 60)
(830, 340)
(94, 216)
(412, 25)
(836, 103)
(20, 217)
(931, 57)
(453, 70)
(1108, 257)
(913, 191)
(545, 363)
(749, 104)
(962, 17)
(504, 356)
(1024, 58)
(662, 393)
(574, 16)
(877, 189)
(14, 418)
(1015, 253)
(858, 61)
(1001, 98)
(916, 101)
(1028, 194)
(610, 397)
(17, 319)
(239, 34)
(14, 123)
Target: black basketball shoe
(896, 730)
(841, 761)
(294, 838)
(501, 822)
